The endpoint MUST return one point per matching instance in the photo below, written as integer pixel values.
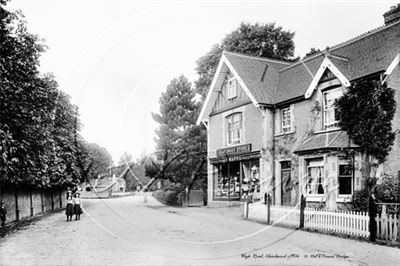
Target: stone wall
(24, 201)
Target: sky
(115, 58)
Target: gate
(196, 198)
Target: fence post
(269, 199)
(60, 192)
(372, 211)
(52, 199)
(31, 200)
(246, 209)
(16, 203)
(302, 207)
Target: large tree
(102, 160)
(365, 112)
(38, 123)
(180, 142)
(262, 40)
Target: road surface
(130, 231)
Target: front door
(286, 183)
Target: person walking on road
(77, 206)
(3, 213)
(69, 210)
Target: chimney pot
(393, 15)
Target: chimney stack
(393, 15)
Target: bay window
(345, 177)
(315, 177)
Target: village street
(135, 231)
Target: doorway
(286, 189)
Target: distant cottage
(254, 103)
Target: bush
(168, 197)
(387, 190)
(360, 200)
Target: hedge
(168, 197)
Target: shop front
(236, 173)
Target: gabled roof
(325, 65)
(295, 79)
(259, 74)
(258, 77)
(366, 54)
(373, 52)
(334, 140)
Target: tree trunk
(368, 170)
(195, 174)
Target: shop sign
(235, 158)
(246, 148)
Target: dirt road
(127, 231)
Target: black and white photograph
(188, 132)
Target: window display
(236, 180)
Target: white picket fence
(388, 227)
(344, 222)
(289, 216)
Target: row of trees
(40, 143)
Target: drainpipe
(270, 137)
(273, 157)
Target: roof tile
(366, 54)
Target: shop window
(286, 120)
(234, 134)
(231, 89)
(236, 180)
(251, 179)
(330, 110)
(345, 177)
(227, 182)
(315, 177)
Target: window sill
(344, 198)
(327, 130)
(234, 144)
(285, 133)
(315, 198)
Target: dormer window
(231, 89)
(331, 118)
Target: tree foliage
(262, 40)
(38, 123)
(312, 51)
(386, 191)
(365, 113)
(180, 142)
(102, 160)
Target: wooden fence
(344, 222)
(388, 226)
(25, 201)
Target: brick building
(272, 125)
